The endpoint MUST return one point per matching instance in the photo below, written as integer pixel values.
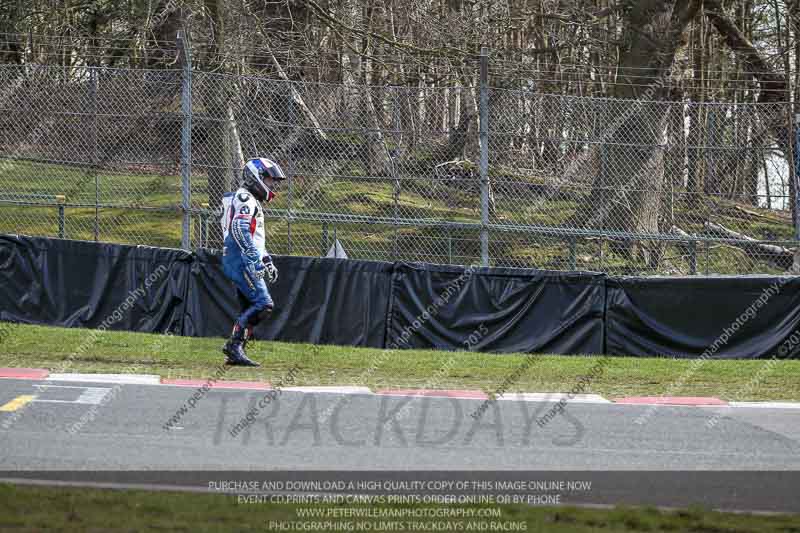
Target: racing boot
(234, 349)
(248, 336)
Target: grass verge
(36, 508)
(76, 350)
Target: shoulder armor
(244, 199)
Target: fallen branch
(775, 255)
(744, 213)
(678, 231)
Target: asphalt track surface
(89, 427)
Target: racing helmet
(254, 173)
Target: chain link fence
(457, 175)
(90, 153)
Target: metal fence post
(335, 241)
(290, 168)
(395, 203)
(573, 254)
(600, 253)
(186, 138)
(61, 200)
(449, 246)
(204, 226)
(796, 176)
(93, 156)
(393, 153)
(484, 141)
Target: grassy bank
(74, 350)
(355, 193)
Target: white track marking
(331, 390)
(552, 397)
(150, 379)
(89, 396)
(123, 379)
(767, 405)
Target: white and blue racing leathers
(244, 253)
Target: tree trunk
(627, 191)
(676, 152)
(755, 156)
(773, 84)
(217, 149)
(374, 148)
(712, 185)
(696, 119)
(167, 18)
(457, 141)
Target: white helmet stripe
(252, 166)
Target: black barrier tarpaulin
(317, 300)
(87, 284)
(496, 309)
(730, 317)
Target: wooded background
(633, 123)
(741, 50)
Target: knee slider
(261, 315)
(265, 313)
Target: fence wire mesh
(90, 153)
(396, 173)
